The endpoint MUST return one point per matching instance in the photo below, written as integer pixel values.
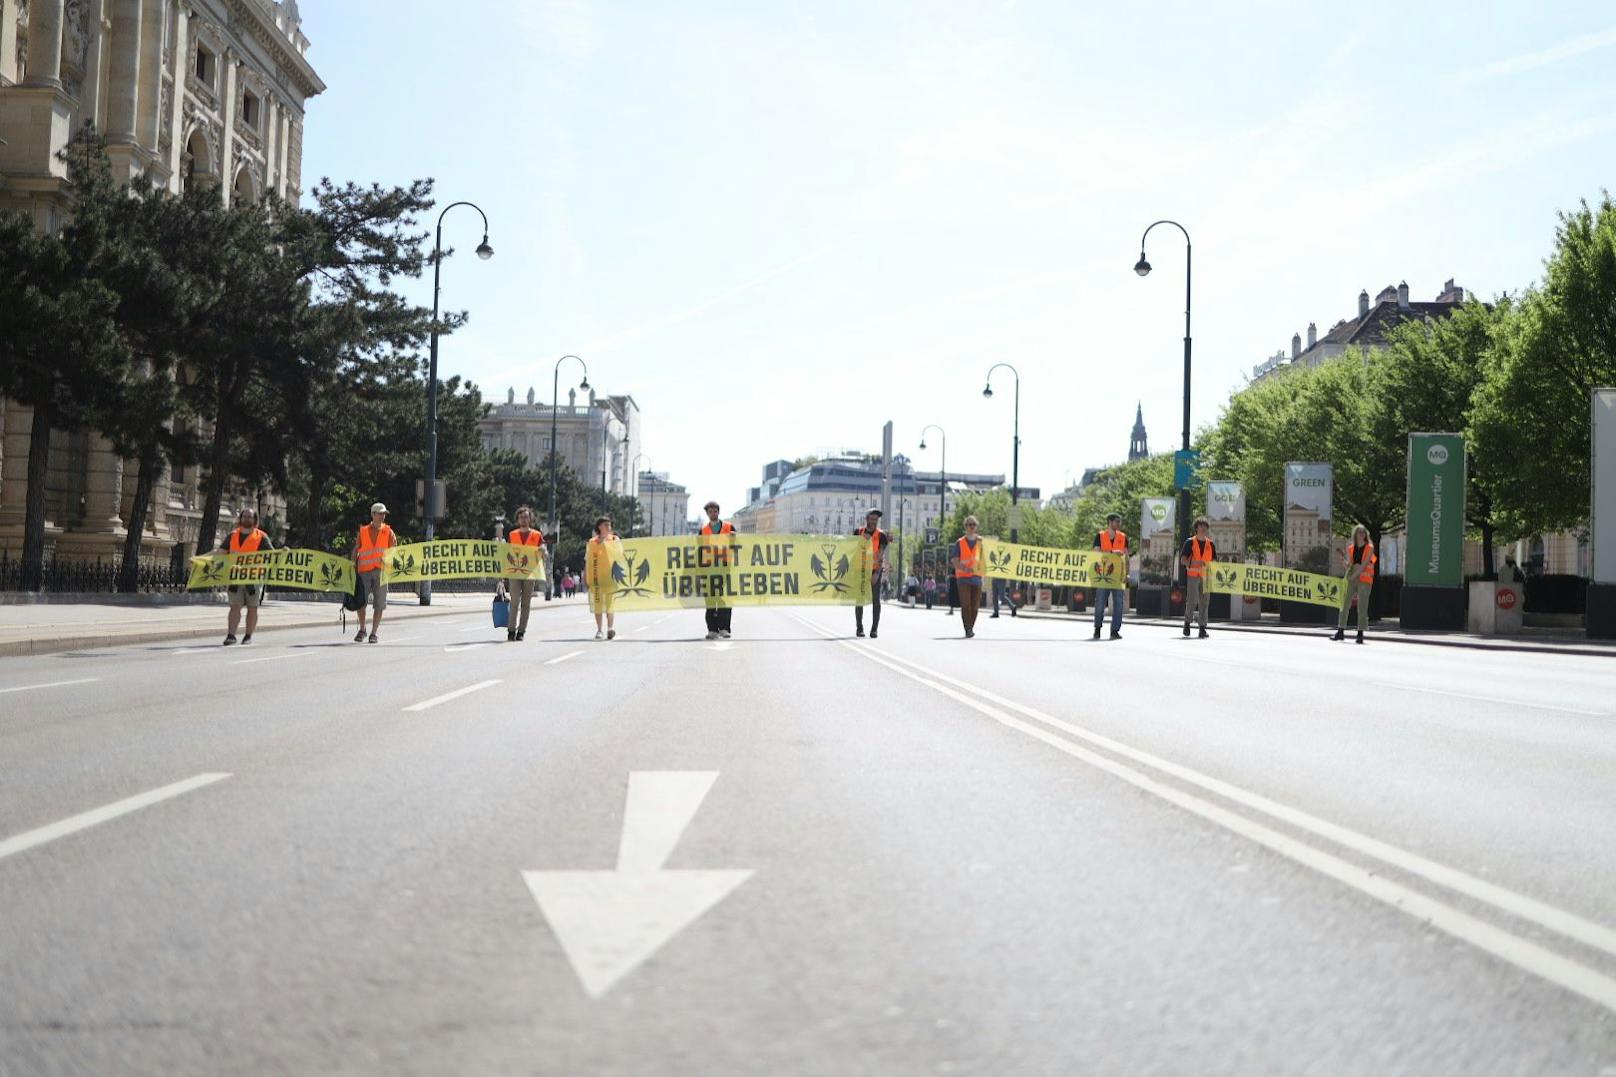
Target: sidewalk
(44, 628)
(1531, 640)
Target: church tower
(1136, 446)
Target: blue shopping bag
(502, 611)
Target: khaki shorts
(373, 590)
(245, 595)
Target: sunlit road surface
(800, 852)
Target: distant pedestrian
(719, 617)
(876, 555)
(523, 534)
(1360, 580)
(968, 575)
(244, 538)
(1111, 540)
(911, 589)
(929, 589)
(599, 554)
(370, 562)
(1197, 554)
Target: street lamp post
(485, 252)
(1015, 450)
(1142, 267)
(634, 468)
(554, 524)
(942, 486)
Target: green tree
(1119, 489)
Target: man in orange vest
(370, 562)
(1111, 540)
(245, 538)
(877, 555)
(968, 575)
(719, 618)
(523, 534)
(1360, 577)
(1197, 554)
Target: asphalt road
(796, 852)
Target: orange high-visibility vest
(1118, 544)
(1368, 559)
(250, 544)
(967, 558)
(878, 539)
(1200, 554)
(724, 528)
(373, 547)
(534, 538)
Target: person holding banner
(877, 558)
(1360, 578)
(245, 538)
(370, 563)
(524, 534)
(1111, 540)
(719, 618)
(968, 575)
(1197, 554)
(598, 571)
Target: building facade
(184, 92)
(598, 439)
(1370, 328)
(664, 505)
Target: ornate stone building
(599, 438)
(184, 91)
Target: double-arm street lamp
(634, 470)
(1015, 449)
(1143, 269)
(942, 487)
(555, 450)
(430, 500)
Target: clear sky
(778, 225)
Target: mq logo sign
(1437, 455)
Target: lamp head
(922, 443)
(987, 391)
(585, 383)
(1142, 267)
(484, 251)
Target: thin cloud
(1531, 61)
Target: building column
(227, 109)
(153, 24)
(176, 116)
(94, 65)
(8, 41)
(45, 43)
(282, 142)
(272, 130)
(123, 75)
(103, 487)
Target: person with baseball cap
(244, 538)
(875, 556)
(719, 618)
(370, 562)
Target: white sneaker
(599, 634)
(712, 635)
(723, 633)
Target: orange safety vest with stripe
(1114, 544)
(255, 538)
(1200, 554)
(967, 559)
(373, 546)
(1366, 555)
(878, 540)
(534, 537)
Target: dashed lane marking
(84, 820)
(427, 704)
(50, 684)
(272, 658)
(556, 661)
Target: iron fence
(63, 576)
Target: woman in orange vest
(599, 553)
(523, 534)
(968, 575)
(246, 538)
(370, 562)
(1197, 554)
(1360, 577)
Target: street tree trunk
(33, 521)
(207, 528)
(313, 535)
(145, 479)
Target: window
(204, 66)
(249, 110)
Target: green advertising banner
(1436, 511)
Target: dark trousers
(953, 593)
(970, 595)
(1001, 594)
(875, 608)
(718, 618)
(1118, 598)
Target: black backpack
(354, 600)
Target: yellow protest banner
(306, 570)
(1266, 581)
(463, 559)
(732, 570)
(1054, 567)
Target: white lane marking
(659, 807)
(477, 628)
(723, 645)
(51, 684)
(642, 628)
(402, 639)
(84, 820)
(1486, 699)
(193, 650)
(610, 922)
(273, 657)
(1518, 951)
(447, 696)
(562, 658)
(468, 646)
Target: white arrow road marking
(84, 820)
(609, 922)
